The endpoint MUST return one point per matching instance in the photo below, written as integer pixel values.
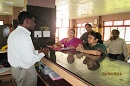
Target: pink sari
(74, 42)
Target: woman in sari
(71, 41)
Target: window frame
(60, 27)
(118, 26)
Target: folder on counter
(54, 76)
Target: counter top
(93, 70)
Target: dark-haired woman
(70, 41)
(96, 46)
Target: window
(62, 26)
(107, 33)
(127, 35)
(78, 25)
(57, 35)
(109, 23)
(127, 22)
(1, 23)
(123, 27)
(63, 33)
(58, 23)
(65, 23)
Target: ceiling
(6, 6)
(74, 9)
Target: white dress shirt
(117, 46)
(21, 52)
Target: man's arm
(28, 52)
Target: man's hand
(40, 50)
(43, 50)
(111, 38)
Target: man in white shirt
(117, 47)
(21, 53)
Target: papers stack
(51, 73)
(54, 76)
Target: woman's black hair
(72, 30)
(23, 15)
(97, 35)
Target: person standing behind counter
(84, 36)
(70, 41)
(117, 47)
(21, 53)
(96, 46)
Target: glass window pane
(118, 22)
(127, 34)
(112, 28)
(90, 23)
(127, 42)
(57, 35)
(78, 25)
(127, 22)
(108, 23)
(107, 33)
(78, 33)
(83, 24)
(122, 31)
(83, 30)
(58, 22)
(57, 32)
(62, 33)
(1, 23)
(65, 23)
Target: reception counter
(81, 69)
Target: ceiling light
(7, 2)
(6, 12)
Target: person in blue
(95, 45)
